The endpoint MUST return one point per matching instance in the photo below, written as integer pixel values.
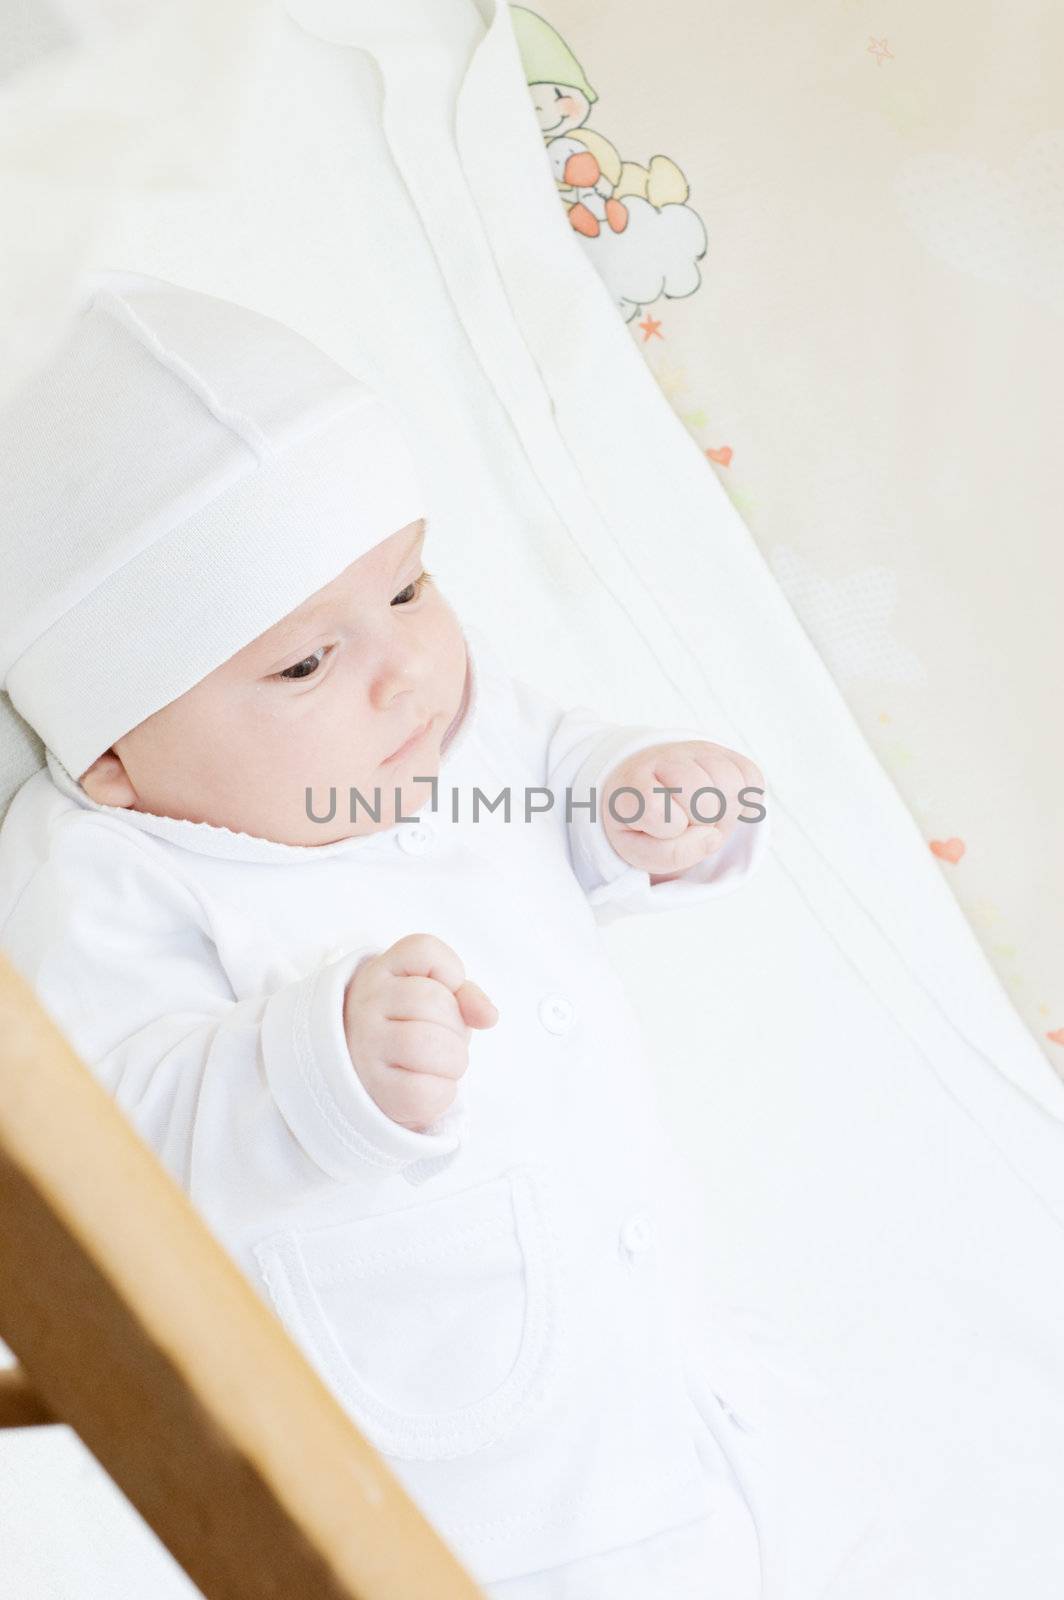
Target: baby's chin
(391, 795)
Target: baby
(296, 837)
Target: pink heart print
(948, 849)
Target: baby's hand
(667, 848)
(407, 1016)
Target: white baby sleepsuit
(503, 1303)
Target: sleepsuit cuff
(322, 1098)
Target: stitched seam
(450, 1244)
(483, 1420)
(469, 1428)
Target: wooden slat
(20, 1404)
(132, 1324)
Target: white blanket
(879, 1140)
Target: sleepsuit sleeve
(118, 950)
(580, 751)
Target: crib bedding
(842, 261)
(875, 1139)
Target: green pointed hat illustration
(545, 54)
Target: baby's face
(559, 107)
(327, 698)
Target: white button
(637, 1233)
(416, 838)
(556, 1013)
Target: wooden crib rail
(20, 1404)
(133, 1325)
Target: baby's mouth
(409, 744)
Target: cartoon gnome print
(644, 239)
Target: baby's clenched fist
(670, 832)
(408, 1013)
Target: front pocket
(434, 1325)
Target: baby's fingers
(477, 1010)
(417, 999)
(424, 1047)
(668, 814)
(420, 960)
(672, 855)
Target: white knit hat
(179, 475)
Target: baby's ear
(107, 782)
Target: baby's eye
(307, 667)
(412, 590)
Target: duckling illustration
(592, 179)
